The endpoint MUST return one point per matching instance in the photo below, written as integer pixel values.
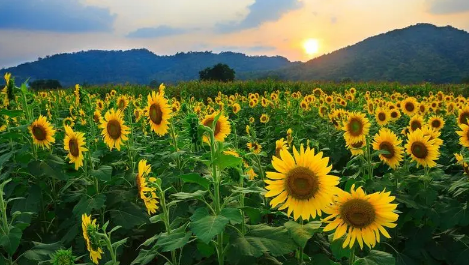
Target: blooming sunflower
(388, 141)
(97, 116)
(464, 135)
(114, 130)
(42, 132)
(395, 114)
(357, 147)
(90, 230)
(409, 106)
(363, 217)
(382, 116)
(221, 129)
(279, 146)
(158, 112)
(356, 127)
(463, 115)
(264, 118)
(236, 108)
(436, 122)
(3, 122)
(421, 149)
(74, 143)
(433, 135)
(251, 120)
(254, 147)
(460, 161)
(99, 104)
(147, 192)
(416, 122)
(122, 102)
(301, 183)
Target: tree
(45, 84)
(219, 72)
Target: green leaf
(206, 226)
(254, 214)
(85, 205)
(206, 250)
(4, 158)
(145, 257)
(11, 241)
(264, 239)
(156, 219)
(41, 252)
(129, 215)
(185, 195)
(196, 178)
(227, 161)
(11, 113)
(302, 233)
(376, 258)
(103, 173)
(173, 241)
(336, 248)
(119, 243)
(233, 214)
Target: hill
(138, 66)
(418, 53)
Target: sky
(36, 28)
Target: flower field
(256, 172)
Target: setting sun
(311, 46)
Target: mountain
(138, 66)
(418, 53)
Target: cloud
(261, 11)
(160, 31)
(333, 20)
(447, 6)
(54, 15)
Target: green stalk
(217, 199)
(166, 220)
(351, 259)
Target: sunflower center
(302, 183)
(414, 125)
(96, 118)
(209, 123)
(382, 116)
(388, 147)
(394, 114)
(409, 106)
(463, 118)
(156, 115)
(39, 132)
(419, 150)
(436, 124)
(358, 213)
(355, 127)
(358, 144)
(121, 104)
(73, 146)
(114, 129)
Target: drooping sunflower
(463, 115)
(146, 191)
(222, 128)
(409, 106)
(421, 149)
(158, 113)
(356, 127)
(264, 118)
(363, 217)
(114, 130)
(416, 122)
(436, 122)
(382, 116)
(90, 229)
(388, 141)
(460, 161)
(254, 147)
(301, 183)
(42, 132)
(280, 145)
(74, 143)
(464, 135)
(122, 102)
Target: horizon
(298, 30)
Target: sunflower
(99, 104)
(74, 143)
(122, 102)
(382, 116)
(146, 189)
(421, 149)
(158, 113)
(254, 147)
(251, 120)
(301, 183)
(97, 116)
(464, 135)
(42, 132)
(463, 115)
(423, 109)
(432, 134)
(114, 130)
(357, 147)
(409, 106)
(236, 108)
(388, 141)
(264, 118)
(3, 122)
(279, 146)
(249, 171)
(356, 127)
(113, 93)
(68, 122)
(450, 107)
(395, 114)
(138, 114)
(460, 161)
(90, 230)
(436, 122)
(221, 129)
(363, 217)
(416, 122)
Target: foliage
(219, 72)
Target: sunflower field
(255, 172)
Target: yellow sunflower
(433, 134)
(68, 122)
(416, 122)
(421, 149)
(388, 141)
(460, 161)
(97, 116)
(264, 118)
(158, 113)
(254, 147)
(302, 183)
(356, 127)
(279, 146)
(382, 116)
(363, 217)
(357, 147)
(90, 229)
(74, 143)
(236, 108)
(147, 192)
(464, 135)
(463, 115)
(221, 129)
(99, 104)
(436, 122)
(3, 122)
(122, 102)
(409, 106)
(251, 120)
(395, 114)
(42, 132)
(114, 130)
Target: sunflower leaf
(376, 258)
(302, 233)
(206, 226)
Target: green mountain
(418, 53)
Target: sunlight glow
(311, 46)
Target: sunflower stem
(351, 259)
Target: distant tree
(154, 84)
(45, 84)
(219, 72)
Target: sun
(311, 46)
